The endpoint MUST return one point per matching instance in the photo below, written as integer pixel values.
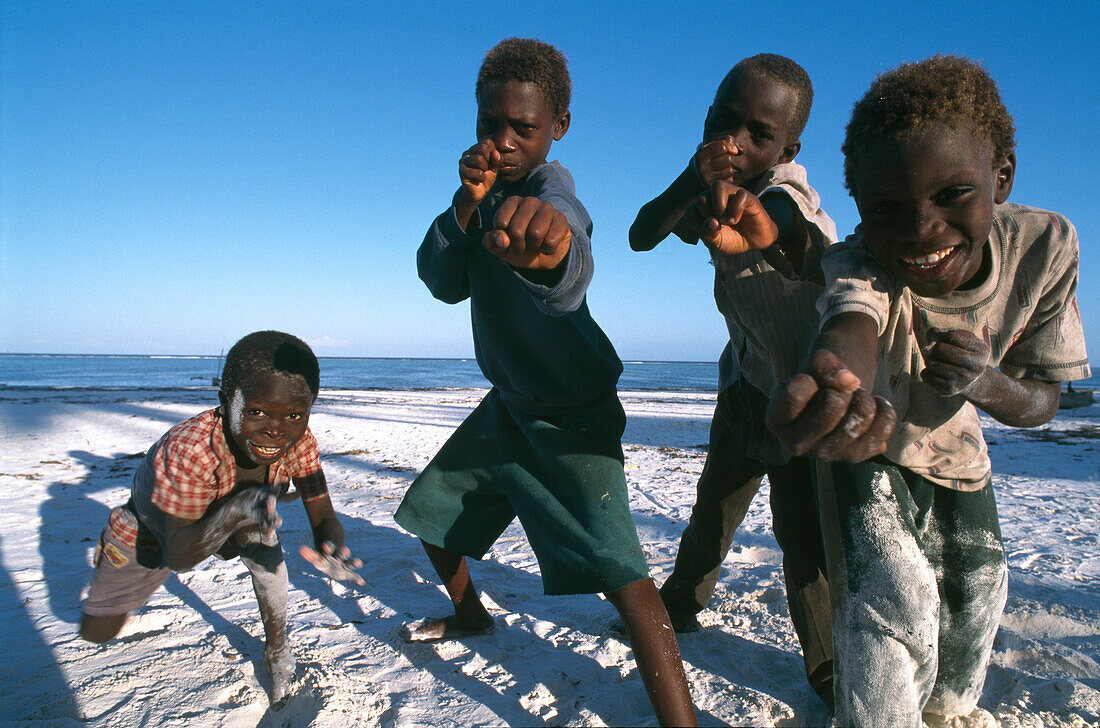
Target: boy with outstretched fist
(545, 443)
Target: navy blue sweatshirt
(538, 345)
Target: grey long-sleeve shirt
(538, 345)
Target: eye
(294, 416)
(881, 209)
(253, 412)
(760, 136)
(952, 194)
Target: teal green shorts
(562, 475)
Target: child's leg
(655, 650)
(722, 498)
(885, 600)
(457, 501)
(797, 528)
(100, 629)
(973, 589)
(269, 581)
(470, 615)
(120, 584)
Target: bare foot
(448, 628)
(280, 664)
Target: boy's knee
(99, 629)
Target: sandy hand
(714, 160)
(731, 220)
(257, 505)
(954, 361)
(529, 233)
(330, 562)
(825, 414)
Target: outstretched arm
(329, 555)
(825, 412)
(711, 162)
(957, 363)
(659, 216)
(187, 542)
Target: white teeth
(266, 451)
(926, 260)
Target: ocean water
(69, 371)
(56, 371)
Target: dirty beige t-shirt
(769, 312)
(1026, 311)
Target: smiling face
(756, 111)
(517, 118)
(267, 415)
(926, 205)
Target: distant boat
(1072, 398)
(216, 380)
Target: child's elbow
(640, 240)
(1048, 406)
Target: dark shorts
(562, 475)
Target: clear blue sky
(177, 174)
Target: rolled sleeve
(854, 283)
(1052, 345)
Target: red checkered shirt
(194, 467)
(191, 467)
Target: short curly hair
(942, 89)
(269, 352)
(528, 60)
(781, 70)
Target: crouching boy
(210, 486)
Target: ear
(789, 152)
(561, 126)
(223, 401)
(1004, 172)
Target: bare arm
(329, 556)
(659, 216)
(957, 362)
(712, 162)
(826, 412)
(187, 542)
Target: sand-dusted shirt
(769, 308)
(1026, 310)
(191, 467)
(538, 345)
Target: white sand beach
(194, 655)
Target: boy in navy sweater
(545, 443)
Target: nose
(273, 428)
(504, 141)
(740, 139)
(922, 226)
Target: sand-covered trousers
(918, 581)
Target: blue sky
(174, 175)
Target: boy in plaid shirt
(211, 484)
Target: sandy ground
(194, 655)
